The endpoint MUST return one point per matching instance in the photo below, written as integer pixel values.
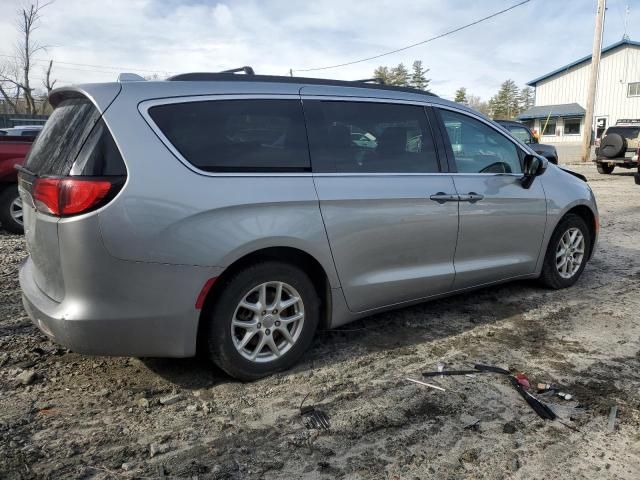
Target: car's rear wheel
(605, 169)
(11, 210)
(263, 320)
(567, 253)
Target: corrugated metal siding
(617, 69)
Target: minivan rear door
(52, 156)
(390, 214)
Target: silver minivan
(237, 214)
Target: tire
(613, 145)
(605, 169)
(222, 339)
(552, 275)
(10, 204)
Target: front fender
(564, 193)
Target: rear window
(630, 133)
(59, 142)
(237, 135)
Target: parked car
(13, 151)
(23, 131)
(522, 133)
(238, 214)
(619, 146)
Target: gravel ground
(64, 415)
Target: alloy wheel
(15, 210)
(570, 253)
(267, 322)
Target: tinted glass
(99, 155)
(478, 148)
(360, 137)
(237, 135)
(59, 142)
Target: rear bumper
(629, 162)
(149, 312)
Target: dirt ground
(93, 417)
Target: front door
(375, 171)
(501, 223)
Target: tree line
(507, 104)
(400, 76)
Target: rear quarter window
(60, 141)
(237, 135)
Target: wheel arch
(287, 254)
(590, 218)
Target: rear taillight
(70, 196)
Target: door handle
(442, 197)
(471, 197)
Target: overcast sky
(170, 36)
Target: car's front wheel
(567, 253)
(263, 320)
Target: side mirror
(534, 165)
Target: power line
(455, 30)
(112, 67)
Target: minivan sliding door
(388, 211)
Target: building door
(601, 126)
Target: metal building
(561, 95)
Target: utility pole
(593, 81)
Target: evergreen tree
(526, 99)
(400, 76)
(383, 73)
(461, 96)
(419, 79)
(505, 104)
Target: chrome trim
(146, 105)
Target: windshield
(630, 133)
(521, 133)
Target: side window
(364, 137)
(237, 135)
(478, 148)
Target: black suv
(522, 133)
(619, 147)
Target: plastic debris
(426, 384)
(314, 418)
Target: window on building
(634, 89)
(548, 127)
(572, 126)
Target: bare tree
(15, 76)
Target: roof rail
(230, 77)
(246, 70)
(379, 81)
